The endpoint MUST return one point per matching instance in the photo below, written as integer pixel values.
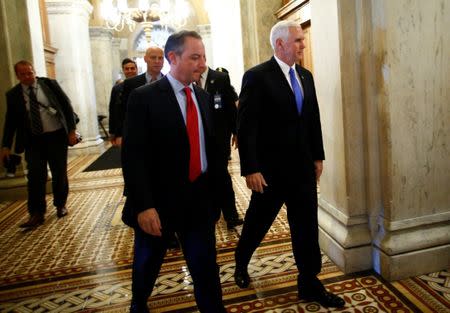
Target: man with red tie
(169, 170)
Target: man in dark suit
(281, 154)
(154, 57)
(129, 69)
(169, 171)
(40, 117)
(223, 101)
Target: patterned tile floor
(82, 263)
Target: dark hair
(128, 60)
(175, 42)
(24, 63)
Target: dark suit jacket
(115, 103)
(224, 114)
(17, 121)
(155, 158)
(273, 138)
(129, 85)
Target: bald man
(154, 57)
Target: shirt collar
(177, 85)
(26, 87)
(148, 77)
(284, 67)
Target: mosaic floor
(82, 263)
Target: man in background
(223, 104)
(40, 117)
(129, 69)
(154, 57)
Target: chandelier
(118, 15)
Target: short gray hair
(281, 31)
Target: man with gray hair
(281, 154)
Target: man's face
(25, 74)
(129, 70)
(154, 57)
(291, 50)
(188, 66)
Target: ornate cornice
(60, 7)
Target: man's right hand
(149, 222)
(4, 154)
(256, 182)
(116, 141)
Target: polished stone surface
(82, 262)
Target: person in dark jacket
(169, 170)
(223, 104)
(281, 154)
(129, 69)
(40, 118)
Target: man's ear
(279, 43)
(172, 57)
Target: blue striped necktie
(36, 122)
(297, 91)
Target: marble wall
(74, 62)
(380, 71)
(14, 21)
(257, 18)
(412, 46)
(101, 51)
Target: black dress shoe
(241, 277)
(234, 222)
(138, 308)
(62, 211)
(323, 297)
(34, 221)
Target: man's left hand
(234, 142)
(319, 168)
(73, 140)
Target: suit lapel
(284, 87)
(209, 79)
(172, 102)
(203, 104)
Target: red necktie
(195, 168)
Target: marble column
(343, 215)
(101, 50)
(14, 21)
(15, 44)
(37, 41)
(116, 60)
(205, 31)
(227, 41)
(68, 23)
(411, 49)
(258, 17)
(381, 79)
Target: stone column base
(395, 267)
(349, 260)
(15, 188)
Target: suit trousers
(199, 248)
(225, 199)
(48, 148)
(301, 204)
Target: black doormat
(108, 160)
